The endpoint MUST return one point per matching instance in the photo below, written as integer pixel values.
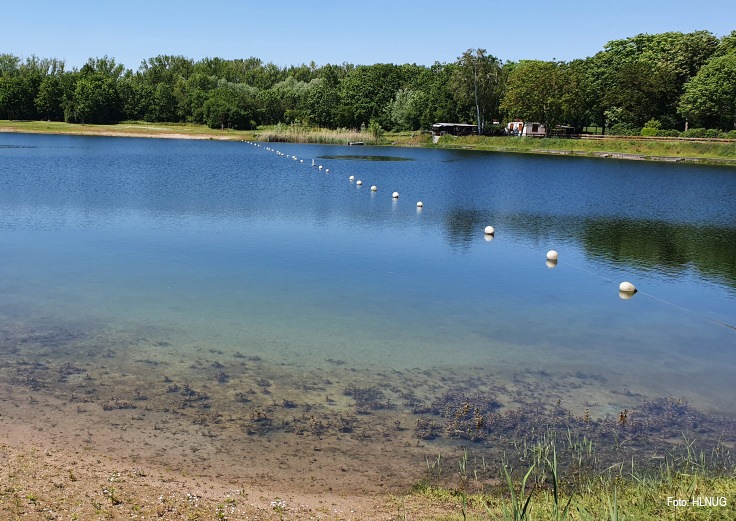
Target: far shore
(718, 152)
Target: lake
(212, 295)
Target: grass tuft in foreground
(533, 484)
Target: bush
(668, 133)
(494, 130)
(374, 127)
(731, 134)
(623, 129)
(649, 131)
(712, 132)
(694, 132)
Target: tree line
(663, 82)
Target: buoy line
(555, 258)
(640, 292)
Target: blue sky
(330, 31)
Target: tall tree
(710, 97)
(96, 93)
(478, 78)
(366, 93)
(535, 91)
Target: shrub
(648, 131)
(653, 123)
(623, 129)
(712, 132)
(668, 133)
(731, 134)
(694, 132)
(494, 130)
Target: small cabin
(454, 129)
(520, 128)
(564, 131)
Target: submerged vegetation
(491, 449)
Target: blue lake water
(229, 247)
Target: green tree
(230, 105)
(726, 45)
(50, 99)
(8, 65)
(642, 91)
(366, 93)
(478, 79)
(96, 96)
(709, 99)
(535, 91)
(407, 109)
(20, 84)
(643, 76)
(322, 102)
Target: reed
(300, 134)
(547, 478)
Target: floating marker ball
(395, 195)
(490, 230)
(420, 204)
(374, 188)
(320, 167)
(627, 287)
(327, 171)
(623, 295)
(552, 255)
(358, 182)
(351, 177)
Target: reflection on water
(355, 157)
(217, 293)
(668, 247)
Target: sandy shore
(51, 483)
(151, 132)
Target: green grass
(535, 485)
(132, 128)
(639, 146)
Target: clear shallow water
(228, 246)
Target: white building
(520, 128)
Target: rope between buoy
(663, 301)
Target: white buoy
(627, 287)
(490, 230)
(358, 182)
(301, 160)
(320, 167)
(552, 255)
(420, 204)
(374, 188)
(327, 170)
(351, 177)
(395, 195)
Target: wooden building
(454, 129)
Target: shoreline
(115, 424)
(631, 150)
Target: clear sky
(291, 32)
